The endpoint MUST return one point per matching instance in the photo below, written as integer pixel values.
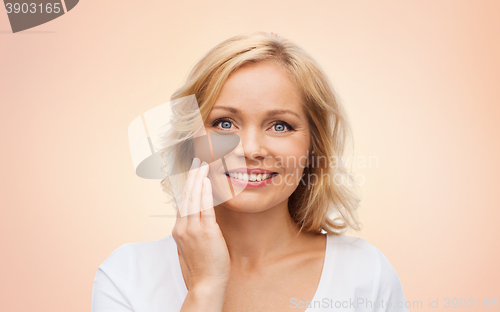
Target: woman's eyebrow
(272, 112)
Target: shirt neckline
(325, 271)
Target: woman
(278, 245)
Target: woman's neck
(254, 238)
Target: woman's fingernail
(204, 163)
(196, 162)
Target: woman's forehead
(259, 86)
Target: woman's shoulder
(356, 251)
(363, 263)
(131, 257)
(138, 276)
(352, 247)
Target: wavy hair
(321, 206)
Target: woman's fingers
(194, 207)
(179, 219)
(202, 246)
(187, 192)
(207, 210)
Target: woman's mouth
(251, 177)
(250, 180)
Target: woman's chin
(243, 203)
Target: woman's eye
(225, 124)
(279, 126)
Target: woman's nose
(251, 145)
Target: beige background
(419, 80)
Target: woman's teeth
(250, 177)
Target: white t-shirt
(147, 277)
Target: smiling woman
(279, 244)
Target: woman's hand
(198, 236)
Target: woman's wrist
(209, 288)
(208, 297)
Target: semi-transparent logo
(31, 13)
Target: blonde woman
(279, 244)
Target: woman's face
(262, 106)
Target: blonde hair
(325, 205)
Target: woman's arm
(389, 291)
(207, 298)
(201, 244)
(106, 296)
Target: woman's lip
(250, 171)
(273, 174)
(251, 184)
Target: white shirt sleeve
(109, 293)
(389, 291)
